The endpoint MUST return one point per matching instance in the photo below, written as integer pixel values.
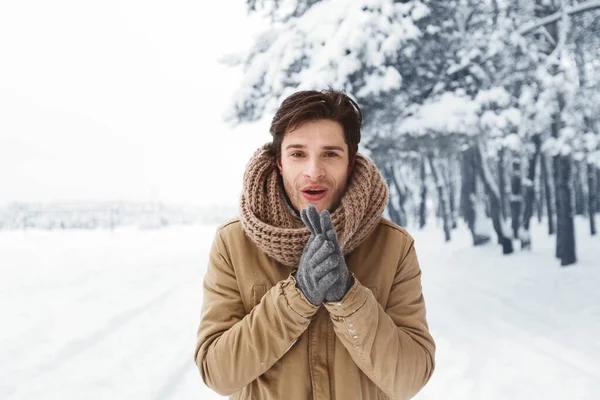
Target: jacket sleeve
(234, 348)
(392, 346)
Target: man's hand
(322, 274)
(343, 281)
(316, 271)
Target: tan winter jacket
(260, 338)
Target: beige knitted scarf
(269, 221)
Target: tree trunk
(423, 205)
(495, 206)
(591, 173)
(401, 212)
(540, 194)
(449, 181)
(558, 205)
(550, 212)
(562, 164)
(592, 193)
(394, 214)
(562, 193)
(565, 226)
(516, 193)
(502, 180)
(467, 187)
(444, 208)
(530, 193)
(472, 209)
(578, 185)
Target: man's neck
(289, 202)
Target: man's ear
(278, 165)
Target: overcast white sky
(121, 100)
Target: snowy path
(116, 320)
(102, 315)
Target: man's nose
(314, 169)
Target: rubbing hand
(343, 281)
(322, 273)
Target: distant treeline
(107, 215)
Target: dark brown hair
(311, 105)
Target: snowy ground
(101, 315)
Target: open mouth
(314, 194)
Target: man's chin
(322, 204)
(319, 205)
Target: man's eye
(331, 154)
(296, 154)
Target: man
(311, 293)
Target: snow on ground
(516, 327)
(113, 315)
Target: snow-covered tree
(349, 45)
(483, 92)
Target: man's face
(314, 164)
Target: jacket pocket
(258, 291)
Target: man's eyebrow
(301, 146)
(295, 146)
(333, 148)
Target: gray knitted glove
(334, 265)
(344, 281)
(318, 263)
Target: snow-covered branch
(589, 5)
(343, 44)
